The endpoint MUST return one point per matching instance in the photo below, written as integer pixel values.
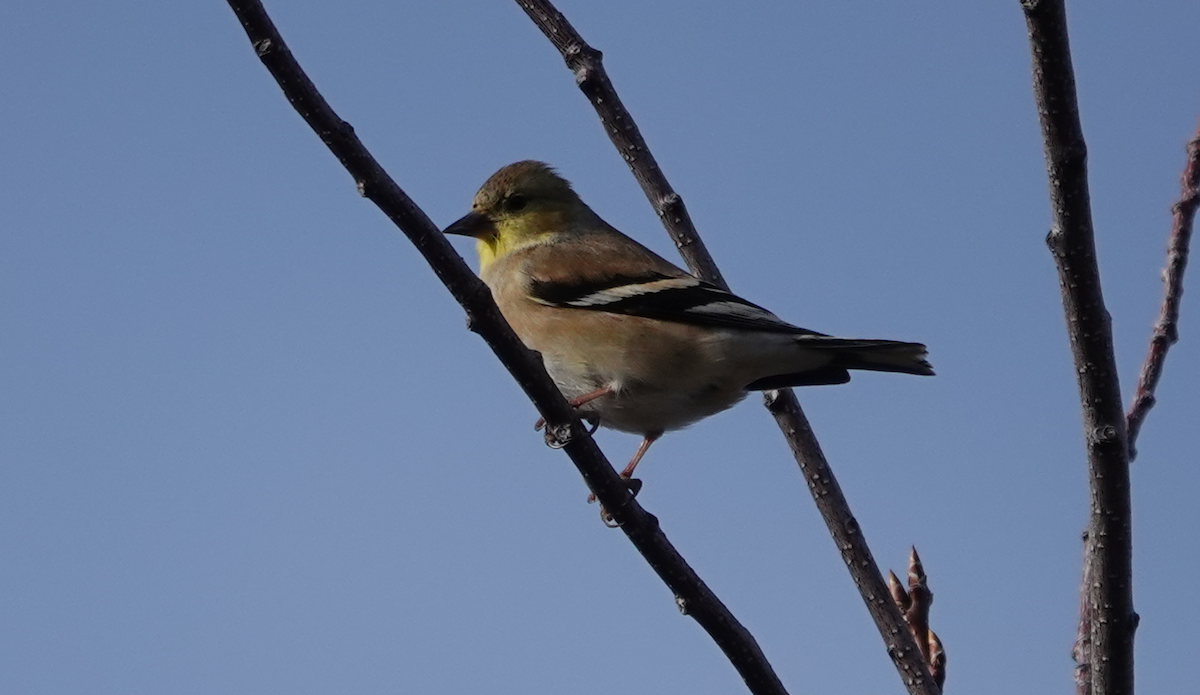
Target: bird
(633, 342)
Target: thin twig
(1081, 652)
(590, 75)
(642, 528)
(1166, 330)
(585, 62)
(1110, 598)
(848, 537)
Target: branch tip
(1166, 328)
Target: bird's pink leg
(628, 473)
(637, 455)
(578, 401)
(627, 476)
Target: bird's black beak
(473, 224)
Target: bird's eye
(515, 202)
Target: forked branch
(692, 595)
(585, 62)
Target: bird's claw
(591, 419)
(634, 485)
(558, 436)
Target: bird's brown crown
(521, 185)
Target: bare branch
(848, 537)
(1166, 331)
(590, 75)
(1110, 598)
(584, 61)
(642, 528)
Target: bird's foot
(634, 485)
(560, 436)
(591, 419)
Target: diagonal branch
(592, 78)
(1071, 241)
(1166, 331)
(642, 528)
(585, 62)
(848, 537)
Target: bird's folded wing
(613, 273)
(655, 295)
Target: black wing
(656, 295)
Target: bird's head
(522, 204)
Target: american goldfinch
(632, 341)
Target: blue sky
(248, 446)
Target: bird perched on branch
(630, 339)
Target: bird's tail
(849, 353)
(880, 355)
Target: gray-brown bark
(1110, 563)
(1166, 328)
